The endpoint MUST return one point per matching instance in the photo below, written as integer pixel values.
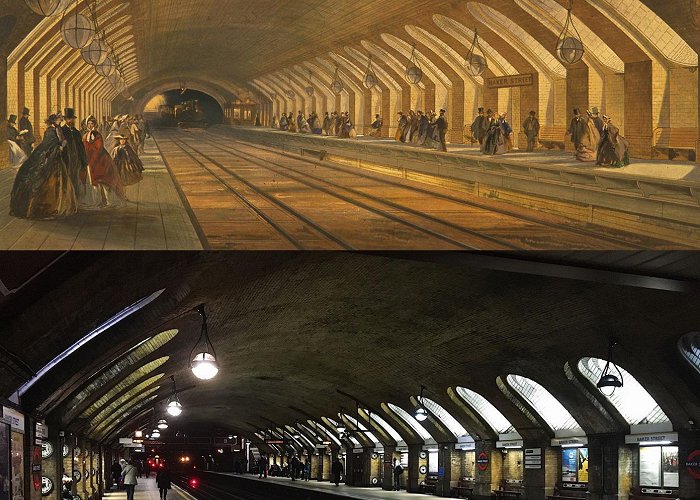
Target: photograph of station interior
(491, 324)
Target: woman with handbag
(130, 482)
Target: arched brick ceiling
(291, 329)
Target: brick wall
(639, 108)
(513, 465)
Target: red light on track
(194, 482)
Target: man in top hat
(442, 126)
(28, 139)
(12, 132)
(74, 152)
(597, 120)
(577, 128)
(477, 128)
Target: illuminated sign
(652, 439)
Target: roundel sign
(46, 486)
(77, 475)
(46, 450)
(482, 461)
(692, 464)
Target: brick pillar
(367, 467)
(387, 468)
(489, 458)
(539, 483)
(446, 472)
(490, 95)
(688, 441)
(413, 466)
(639, 127)
(429, 99)
(4, 113)
(456, 113)
(529, 101)
(697, 124)
(386, 112)
(608, 467)
(362, 128)
(576, 95)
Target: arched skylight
(357, 424)
(549, 408)
(387, 428)
(633, 402)
(444, 416)
(325, 431)
(310, 431)
(488, 412)
(689, 345)
(301, 435)
(412, 422)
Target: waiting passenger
(577, 128)
(284, 124)
(315, 124)
(588, 147)
(129, 165)
(531, 128)
(397, 470)
(275, 123)
(326, 124)
(498, 139)
(336, 470)
(300, 118)
(477, 129)
(613, 149)
(292, 123)
(129, 474)
(163, 482)
(442, 126)
(401, 130)
(376, 127)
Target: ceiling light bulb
(421, 414)
(204, 366)
(174, 408)
(162, 424)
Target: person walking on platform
(397, 470)
(336, 470)
(262, 467)
(377, 127)
(442, 126)
(29, 138)
(531, 127)
(597, 120)
(163, 482)
(577, 128)
(477, 128)
(116, 473)
(294, 468)
(130, 482)
(401, 129)
(307, 470)
(74, 153)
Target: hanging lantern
(203, 364)
(44, 7)
(105, 68)
(336, 85)
(309, 90)
(569, 46)
(273, 95)
(114, 78)
(77, 30)
(173, 407)
(414, 74)
(162, 424)
(609, 381)
(95, 53)
(421, 412)
(370, 79)
(476, 60)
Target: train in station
(187, 114)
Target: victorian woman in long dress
(17, 155)
(613, 149)
(498, 136)
(588, 147)
(129, 165)
(43, 188)
(101, 168)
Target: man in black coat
(74, 152)
(442, 126)
(577, 128)
(28, 139)
(477, 128)
(336, 470)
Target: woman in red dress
(103, 172)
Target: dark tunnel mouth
(211, 111)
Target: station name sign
(500, 82)
(275, 441)
(671, 437)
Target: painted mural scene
(442, 125)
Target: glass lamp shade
(421, 414)
(174, 408)
(43, 7)
(162, 424)
(291, 94)
(414, 75)
(77, 31)
(155, 434)
(337, 86)
(476, 64)
(310, 91)
(105, 68)
(114, 79)
(608, 383)
(570, 50)
(370, 80)
(95, 53)
(204, 366)
(341, 429)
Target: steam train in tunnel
(188, 114)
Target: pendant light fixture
(162, 424)
(77, 30)
(569, 45)
(105, 68)
(341, 425)
(289, 92)
(203, 364)
(309, 90)
(336, 85)
(476, 59)
(371, 79)
(97, 51)
(174, 407)
(414, 73)
(421, 413)
(44, 8)
(611, 378)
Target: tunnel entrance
(188, 109)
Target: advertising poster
(669, 464)
(569, 465)
(583, 465)
(650, 466)
(4, 462)
(17, 466)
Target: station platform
(326, 489)
(154, 218)
(146, 489)
(653, 197)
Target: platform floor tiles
(154, 219)
(147, 490)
